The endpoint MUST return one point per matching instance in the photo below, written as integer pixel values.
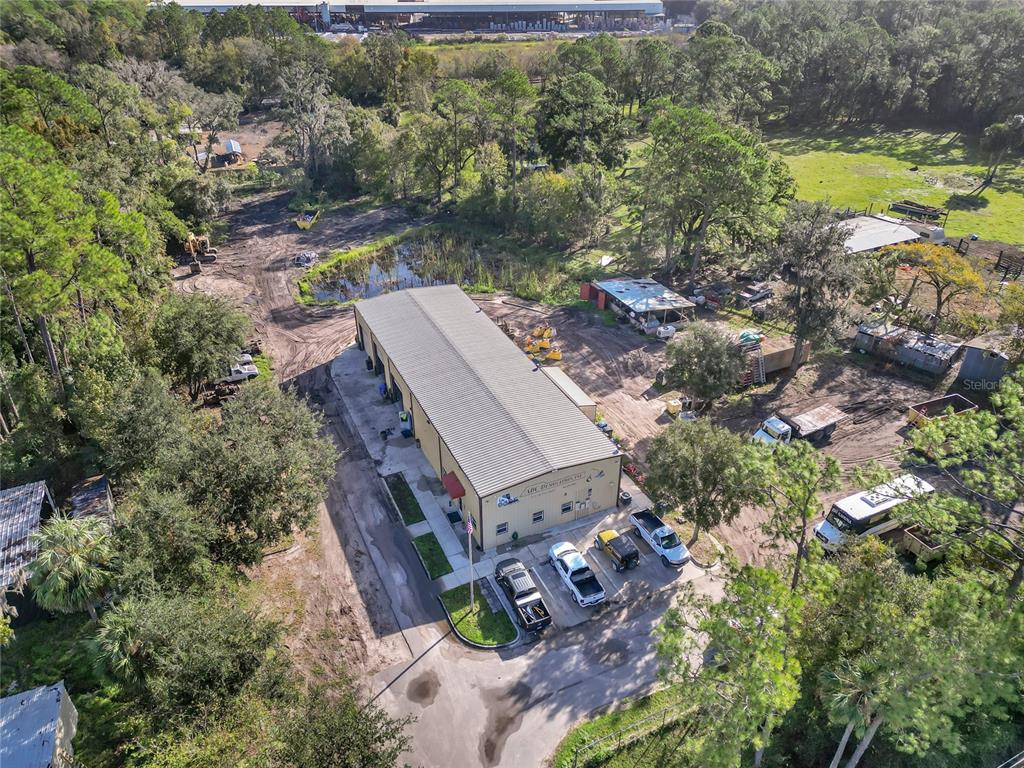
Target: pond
(390, 269)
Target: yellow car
(622, 552)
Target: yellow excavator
(199, 250)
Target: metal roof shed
(37, 728)
(572, 390)
(92, 498)
(985, 358)
(869, 233)
(232, 147)
(924, 351)
(21, 513)
(644, 296)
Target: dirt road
(253, 270)
(324, 588)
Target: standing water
(391, 269)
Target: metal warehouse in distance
(508, 444)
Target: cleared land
(859, 168)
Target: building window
(538, 516)
(501, 529)
(567, 508)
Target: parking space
(648, 577)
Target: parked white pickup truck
(581, 582)
(662, 539)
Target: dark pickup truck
(518, 586)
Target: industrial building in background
(460, 15)
(511, 448)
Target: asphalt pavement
(509, 707)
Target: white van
(868, 512)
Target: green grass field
(856, 168)
(483, 625)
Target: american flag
(469, 525)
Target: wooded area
(650, 147)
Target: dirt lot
(253, 270)
(325, 589)
(616, 367)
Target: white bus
(868, 512)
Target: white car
(244, 359)
(755, 293)
(239, 372)
(574, 572)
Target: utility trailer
(938, 408)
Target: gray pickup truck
(518, 586)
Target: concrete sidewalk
(371, 415)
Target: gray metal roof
(502, 418)
(869, 233)
(29, 727)
(942, 347)
(20, 512)
(642, 294)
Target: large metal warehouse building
(507, 443)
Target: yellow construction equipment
(543, 332)
(531, 345)
(544, 343)
(197, 245)
(554, 354)
(307, 219)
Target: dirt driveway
(253, 270)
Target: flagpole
(469, 549)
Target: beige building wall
(560, 496)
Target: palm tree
(72, 569)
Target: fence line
(633, 732)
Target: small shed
(642, 299)
(92, 498)
(232, 147)
(869, 233)
(922, 351)
(22, 510)
(986, 358)
(572, 390)
(37, 728)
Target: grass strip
(433, 556)
(482, 626)
(408, 507)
